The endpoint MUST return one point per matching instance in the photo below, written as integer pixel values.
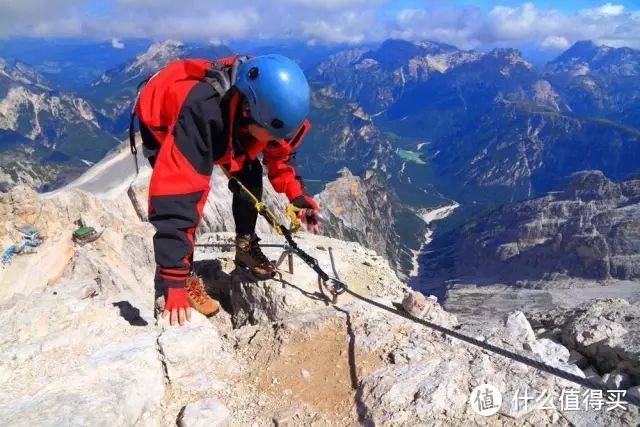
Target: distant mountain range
(442, 124)
(113, 92)
(47, 137)
(488, 126)
(589, 229)
(71, 64)
(599, 81)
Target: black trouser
(244, 213)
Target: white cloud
(116, 43)
(611, 9)
(527, 23)
(40, 18)
(328, 21)
(327, 4)
(459, 26)
(554, 43)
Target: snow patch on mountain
(156, 56)
(22, 104)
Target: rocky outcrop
(606, 332)
(84, 349)
(590, 229)
(363, 209)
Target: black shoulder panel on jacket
(200, 129)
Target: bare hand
(177, 315)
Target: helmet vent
(253, 73)
(277, 124)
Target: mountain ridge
(42, 127)
(587, 230)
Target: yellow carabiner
(263, 209)
(291, 212)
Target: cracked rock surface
(80, 345)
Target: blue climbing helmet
(277, 92)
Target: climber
(195, 114)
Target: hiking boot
(250, 256)
(198, 298)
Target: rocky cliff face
(590, 229)
(362, 209)
(82, 347)
(40, 127)
(605, 332)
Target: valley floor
(428, 216)
(491, 303)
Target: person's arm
(282, 175)
(178, 191)
(284, 179)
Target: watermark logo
(485, 400)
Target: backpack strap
(132, 130)
(221, 76)
(132, 139)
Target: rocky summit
(81, 346)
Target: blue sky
(570, 6)
(543, 24)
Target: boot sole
(246, 269)
(213, 313)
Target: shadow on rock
(217, 282)
(316, 296)
(353, 369)
(130, 313)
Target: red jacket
(187, 129)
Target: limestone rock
(192, 352)
(607, 331)
(361, 209)
(409, 394)
(550, 352)
(416, 304)
(208, 412)
(110, 372)
(519, 330)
